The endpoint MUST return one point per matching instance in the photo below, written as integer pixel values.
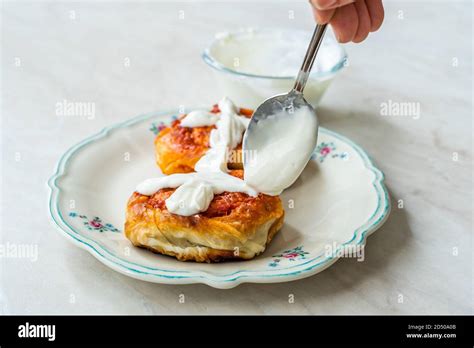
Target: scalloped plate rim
(217, 281)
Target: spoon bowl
(279, 141)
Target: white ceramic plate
(331, 209)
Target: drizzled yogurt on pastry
(199, 118)
(196, 190)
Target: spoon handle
(309, 57)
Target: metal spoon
(284, 102)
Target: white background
(420, 261)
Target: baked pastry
(235, 226)
(178, 148)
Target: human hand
(351, 20)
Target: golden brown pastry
(235, 226)
(178, 148)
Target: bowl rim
(215, 64)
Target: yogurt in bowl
(253, 64)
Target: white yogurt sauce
(199, 118)
(276, 53)
(284, 146)
(195, 191)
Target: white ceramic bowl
(248, 64)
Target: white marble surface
(424, 251)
